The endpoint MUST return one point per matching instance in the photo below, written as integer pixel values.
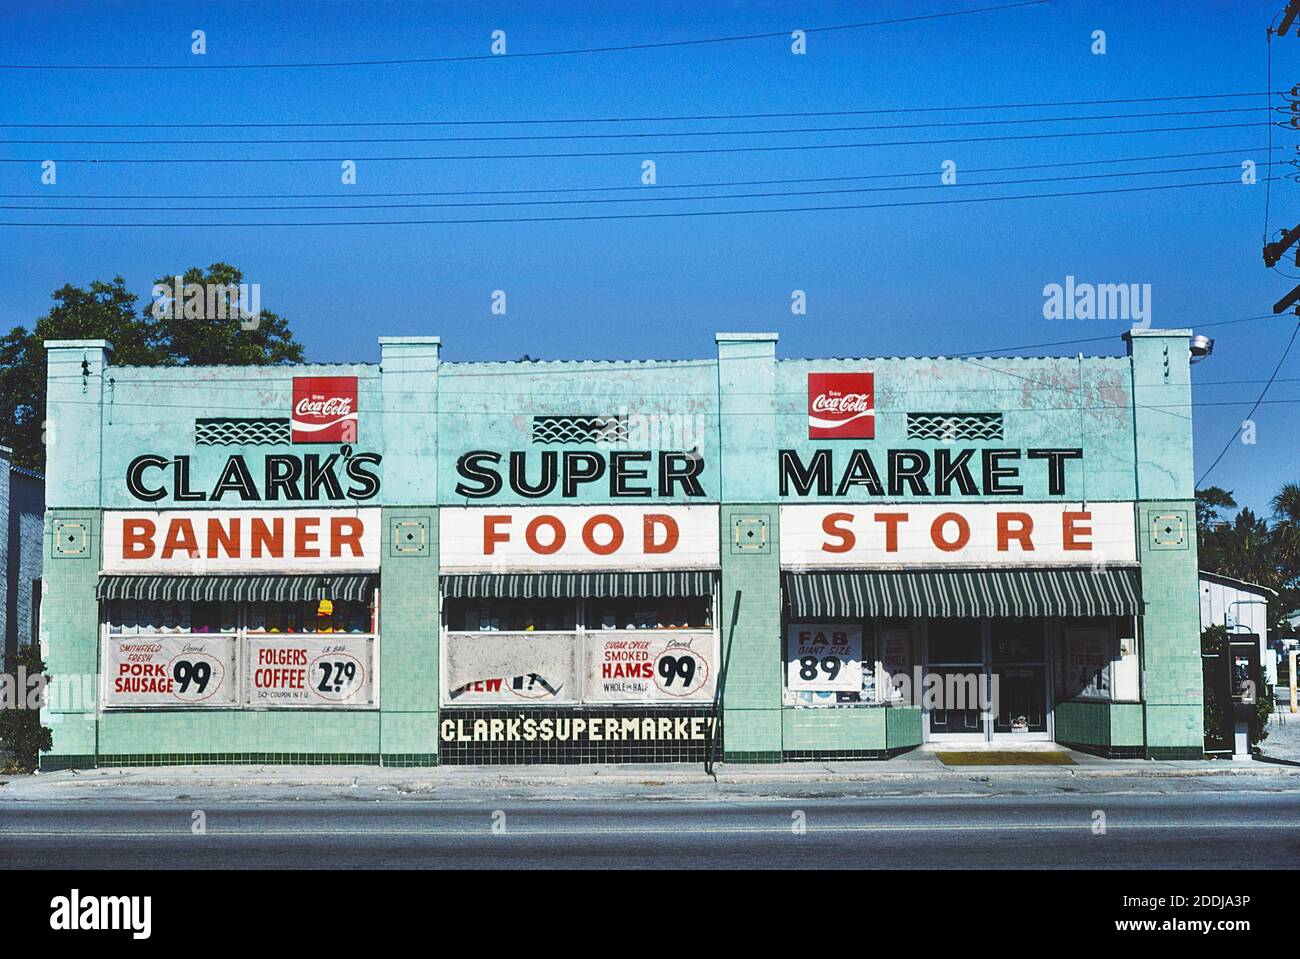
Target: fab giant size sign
(957, 534)
(578, 538)
(241, 541)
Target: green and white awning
(863, 594)
(239, 589)
(566, 585)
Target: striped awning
(564, 585)
(239, 589)
(862, 594)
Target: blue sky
(920, 280)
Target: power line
(245, 141)
(638, 216)
(640, 188)
(217, 124)
(641, 153)
(516, 56)
(650, 198)
(1264, 392)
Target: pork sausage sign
(169, 671)
(957, 534)
(578, 538)
(241, 541)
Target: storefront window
(659, 650)
(844, 664)
(1086, 661)
(190, 654)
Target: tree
(140, 337)
(1210, 503)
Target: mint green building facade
(618, 561)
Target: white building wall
(1244, 615)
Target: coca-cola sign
(841, 406)
(324, 409)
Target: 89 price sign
(824, 657)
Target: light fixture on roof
(1200, 347)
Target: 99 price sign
(824, 657)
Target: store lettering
(601, 535)
(950, 532)
(916, 472)
(289, 476)
(627, 473)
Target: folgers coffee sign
(957, 534)
(324, 409)
(524, 538)
(241, 541)
(310, 671)
(550, 735)
(841, 406)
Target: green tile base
(1174, 752)
(752, 757)
(69, 761)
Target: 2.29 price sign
(170, 671)
(310, 671)
(824, 658)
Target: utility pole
(1275, 250)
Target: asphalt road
(1197, 830)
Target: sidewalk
(916, 773)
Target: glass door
(955, 650)
(1018, 666)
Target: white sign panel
(305, 670)
(540, 538)
(625, 666)
(824, 658)
(170, 671)
(526, 668)
(241, 541)
(956, 534)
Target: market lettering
(601, 535)
(567, 472)
(951, 531)
(920, 473)
(288, 476)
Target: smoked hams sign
(957, 534)
(540, 538)
(241, 541)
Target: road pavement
(1183, 830)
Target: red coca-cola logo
(841, 406)
(324, 409)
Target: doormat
(1006, 758)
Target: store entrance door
(1000, 668)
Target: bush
(22, 737)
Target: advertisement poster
(631, 667)
(895, 660)
(824, 658)
(308, 670)
(494, 668)
(1087, 663)
(170, 671)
